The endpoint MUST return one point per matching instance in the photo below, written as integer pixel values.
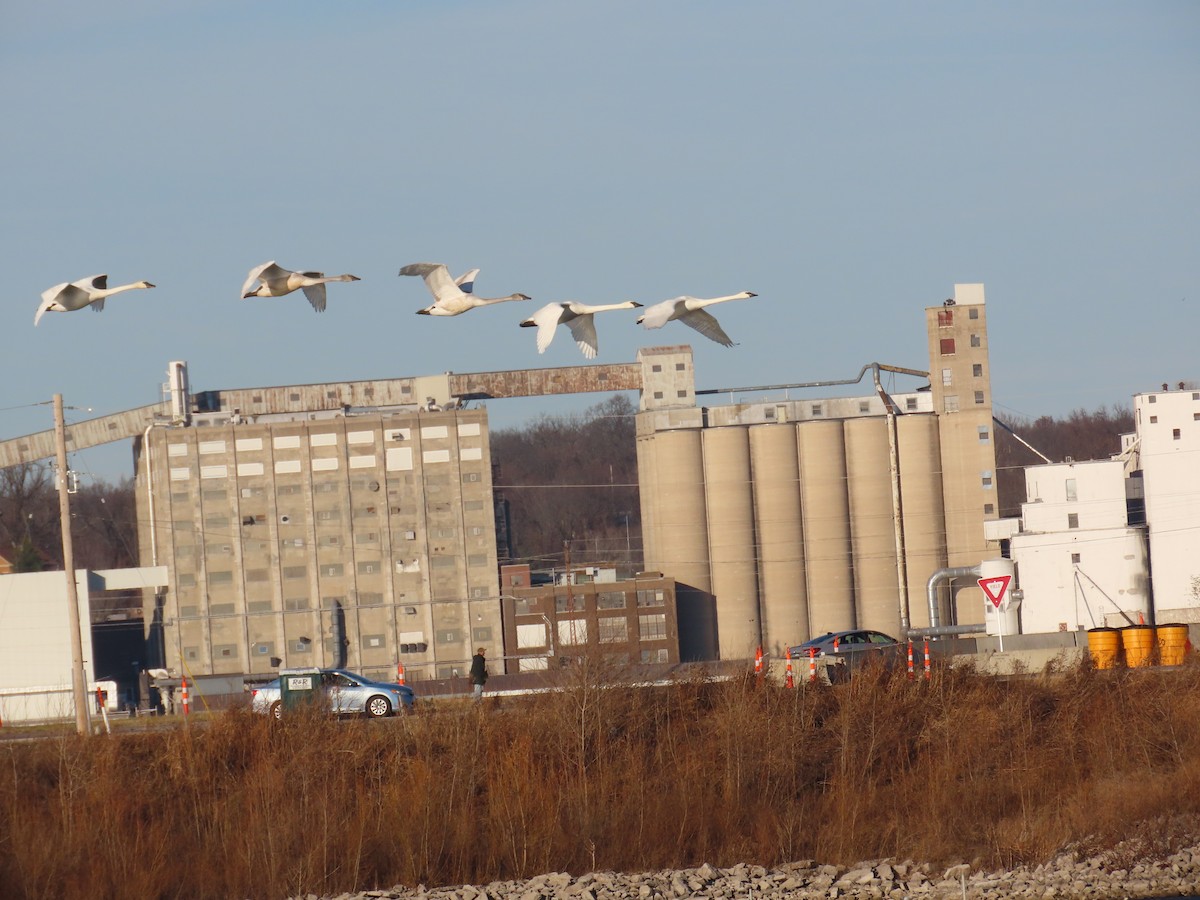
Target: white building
(1168, 446)
(1079, 563)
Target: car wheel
(378, 707)
(276, 710)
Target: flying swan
(452, 296)
(278, 281)
(577, 317)
(91, 292)
(690, 311)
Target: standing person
(479, 673)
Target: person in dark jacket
(479, 673)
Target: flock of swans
(451, 297)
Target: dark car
(841, 652)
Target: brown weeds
(604, 776)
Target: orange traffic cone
(758, 662)
(399, 673)
(812, 665)
(789, 682)
(187, 708)
(910, 659)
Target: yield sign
(995, 588)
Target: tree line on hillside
(569, 482)
(1081, 436)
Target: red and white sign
(995, 588)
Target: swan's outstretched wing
(583, 329)
(546, 319)
(659, 314)
(707, 326)
(256, 273)
(49, 297)
(437, 279)
(98, 305)
(316, 296)
(466, 281)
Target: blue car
(345, 693)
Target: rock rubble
(1065, 877)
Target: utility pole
(78, 681)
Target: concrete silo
(731, 544)
(873, 524)
(783, 594)
(672, 498)
(924, 510)
(825, 512)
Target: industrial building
(316, 524)
(1110, 543)
(356, 522)
(784, 518)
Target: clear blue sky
(848, 162)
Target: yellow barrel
(1104, 644)
(1138, 644)
(1172, 644)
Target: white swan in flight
(93, 291)
(278, 281)
(690, 311)
(452, 296)
(577, 317)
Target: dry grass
(595, 777)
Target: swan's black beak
(422, 312)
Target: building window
(1175, 433)
(972, 313)
(656, 368)
(572, 632)
(614, 630)
(658, 395)
(816, 409)
(986, 480)
(945, 318)
(650, 598)
(946, 346)
(652, 627)
(566, 604)
(977, 370)
(1072, 520)
(1153, 399)
(947, 377)
(655, 656)
(1154, 420)
(864, 406)
(1075, 557)
(296, 571)
(448, 636)
(332, 570)
(975, 341)
(984, 435)
(1072, 492)
(979, 396)
(368, 567)
(989, 509)
(950, 401)
(610, 600)
(910, 403)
